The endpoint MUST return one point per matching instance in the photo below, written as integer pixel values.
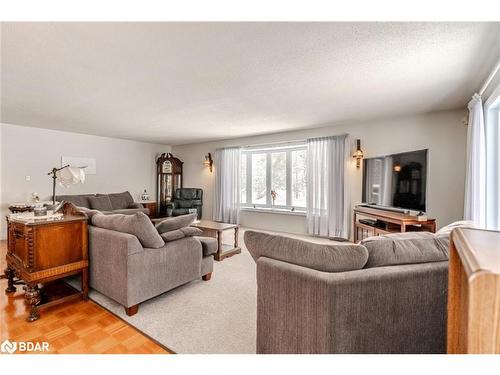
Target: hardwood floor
(71, 328)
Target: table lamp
(66, 176)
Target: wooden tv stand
(394, 222)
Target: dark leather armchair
(184, 200)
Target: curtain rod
(275, 143)
(489, 79)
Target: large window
(274, 177)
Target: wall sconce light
(397, 168)
(208, 162)
(358, 154)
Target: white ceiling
(176, 83)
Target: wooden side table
(215, 229)
(474, 292)
(151, 206)
(40, 251)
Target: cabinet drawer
(18, 243)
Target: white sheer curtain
(492, 133)
(327, 186)
(475, 179)
(227, 185)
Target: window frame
(269, 150)
(492, 143)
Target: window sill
(279, 211)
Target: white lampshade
(70, 175)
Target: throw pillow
(321, 257)
(181, 233)
(173, 223)
(101, 203)
(445, 231)
(405, 248)
(191, 231)
(172, 235)
(90, 213)
(138, 224)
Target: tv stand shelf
(393, 222)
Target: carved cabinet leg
(207, 277)
(9, 273)
(85, 284)
(32, 297)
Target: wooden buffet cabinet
(474, 292)
(394, 222)
(42, 251)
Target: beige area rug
(218, 316)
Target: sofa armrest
(109, 253)
(135, 205)
(197, 204)
(396, 309)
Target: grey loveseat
(114, 203)
(130, 262)
(384, 296)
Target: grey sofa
(387, 295)
(121, 203)
(123, 269)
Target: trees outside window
(281, 169)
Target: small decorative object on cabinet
(35, 198)
(21, 207)
(369, 221)
(169, 178)
(474, 292)
(42, 251)
(145, 196)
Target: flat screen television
(396, 181)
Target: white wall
(443, 133)
(121, 164)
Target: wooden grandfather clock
(169, 178)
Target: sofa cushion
(180, 233)
(138, 224)
(101, 203)
(208, 245)
(131, 211)
(405, 248)
(321, 257)
(173, 223)
(121, 201)
(79, 200)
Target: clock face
(167, 167)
